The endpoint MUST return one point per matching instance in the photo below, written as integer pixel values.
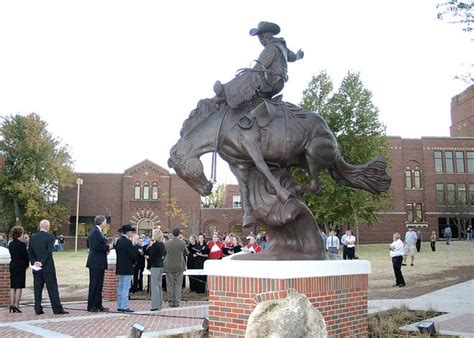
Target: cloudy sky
(115, 79)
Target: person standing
(350, 245)
(332, 243)
(175, 264)
(418, 240)
(40, 253)
(433, 241)
(190, 261)
(61, 243)
(448, 234)
(345, 251)
(216, 247)
(126, 259)
(156, 253)
(253, 247)
(469, 233)
(97, 263)
(396, 253)
(410, 244)
(200, 255)
(18, 264)
(139, 267)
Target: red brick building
(432, 185)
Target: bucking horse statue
(261, 140)
(261, 137)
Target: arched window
(408, 184)
(154, 191)
(146, 191)
(137, 191)
(417, 178)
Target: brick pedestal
(4, 276)
(110, 279)
(338, 289)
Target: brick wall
(109, 291)
(342, 301)
(4, 284)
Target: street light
(79, 182)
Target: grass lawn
(450, 264)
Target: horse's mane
(203, 109)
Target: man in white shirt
(410, 246)
(332, 243)
(396, 252)
(350, 244)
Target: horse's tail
(372, 176)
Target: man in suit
(97, 264)
(175, 264)
(40, 253)
(126, 259)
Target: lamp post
(79, 182)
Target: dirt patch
(424, 283)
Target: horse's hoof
(249, 221)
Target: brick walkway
(80, 323)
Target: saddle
(263, 114)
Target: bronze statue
(261, 139)
(267, 78)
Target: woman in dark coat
(156, 254)
(191, 262)
(18, 265)
(200, 255)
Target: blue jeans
(124, 283)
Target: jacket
(126, 256)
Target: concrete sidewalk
(457, 301)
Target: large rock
(293, 316)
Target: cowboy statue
(267, 78)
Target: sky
(115, 79)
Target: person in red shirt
(215, 247)
(253, 247)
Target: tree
(173, 211)
(215, 199)
(36, 167)
(353, 118)
(461, 13)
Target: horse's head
(189, 167)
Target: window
(414, 212)
(137, 191)
(451, 194)
(438, 162)
(460, 162)
(462, 196)
(471, 193)
(146, 192)
(236, 201)
(417, 177)
(409, 211)
(448, 157)
(470, 162)
(154, 191)
(440, 194)
(408, 184)
(418, 212)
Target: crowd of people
(164, 257)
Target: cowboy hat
(126, 228)
(264, 27)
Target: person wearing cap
(126, 259)
(267, 78)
